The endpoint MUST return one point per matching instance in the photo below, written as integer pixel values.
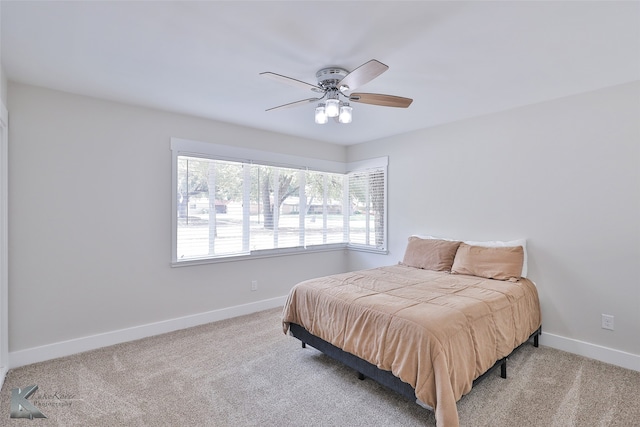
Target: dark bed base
(386, 378)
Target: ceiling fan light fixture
(333, 83)
(332, 107)
(321, 115)
(345, 114)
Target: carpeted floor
(246, 372)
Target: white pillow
(420, 236)
(498, 244)
(490, 244)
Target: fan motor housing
(331, 76)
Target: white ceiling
(455, 59)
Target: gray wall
(3, 86)
(564, 174)
(3, 76)
(90, 220)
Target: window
(249, 206)
(367, 217)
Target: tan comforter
(434, 330)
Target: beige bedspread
(434, 330)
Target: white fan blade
(294, 104)
(292, 81)
(362, 75)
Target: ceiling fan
(335, 82)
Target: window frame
(212, 151)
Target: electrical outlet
(254, 286)
(607, 321)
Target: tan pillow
(430, 254)
(501, 263)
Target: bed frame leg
(535, 340)
(361, 376)
(503, 368)
(304, 344)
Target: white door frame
(4, 243)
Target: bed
(427, 327)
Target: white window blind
(242, 208)
(367, 219)
(211, 213)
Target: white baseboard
(592, 351)
(79, 345)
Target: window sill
(368, 249)
(267, 253)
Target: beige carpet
(245, 372)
